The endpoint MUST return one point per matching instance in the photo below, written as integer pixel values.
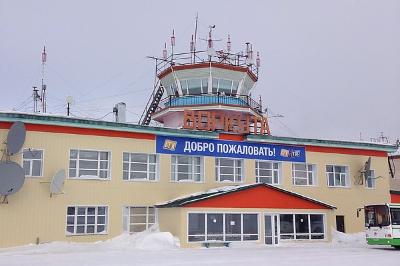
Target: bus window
(377, 215)
(395, 216)
(369, 216)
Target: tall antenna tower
(43, 91)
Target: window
(230, 170)
(139, 166)
(268, 172)
(87, 220)
(225, 86)
(303, 174)
(301, 226)
(370, 180)
(377, 215)
(186, 168)
(337, 176)
(395, 213)
(33, 162)
(194, 86)
(222, 227)
(138, 219)
(89, 164)
(171, 89)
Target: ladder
(152, 105)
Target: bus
(382, 224)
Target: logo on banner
(169, 145)
(290, 153)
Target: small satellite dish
(12, 178)
(70, 100)
(57, 183)
(16, 138)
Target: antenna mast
(43, 91)
(195, 38)
(36, 98)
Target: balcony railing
(210, 99)
(182, 59)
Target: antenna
(70, 101)
(172, 46)
(249, 54)
(258, 61)
(210, 48)
(43, 92)
(192, 45)
(36, 99)
(164, 52)
(229, 44)
(195, 38)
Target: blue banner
(231, 149)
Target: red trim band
(350, 151)
(82, 131)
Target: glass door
(271, 223)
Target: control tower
(207, 89)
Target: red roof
(249, 196)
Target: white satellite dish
(57, 183)
(70, 100)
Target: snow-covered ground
(162, 249)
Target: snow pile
(353, 240)
(147, 240)
(151, 239)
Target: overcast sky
(332, 68)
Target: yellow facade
(32, 216)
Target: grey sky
(330, 67)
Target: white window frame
(273, 171)
(313, 172)
(31, 162)
(98, 165)
(309, 227)
(223, 225)
(185, 89)
(217, 89)
(147, 179)
(346, 176)
(75, 215)
(127, 223)
(373, 181)
(174, 175)
(235, 170)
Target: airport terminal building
(212, 174)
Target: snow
(161, 248)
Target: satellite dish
(70, 100)
(57, 183)
(367, 168)
(12, 178)
(16, 138)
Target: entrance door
(340, 223)
(271, 223)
